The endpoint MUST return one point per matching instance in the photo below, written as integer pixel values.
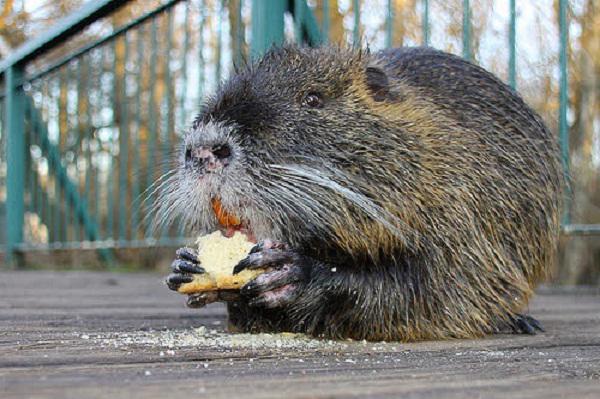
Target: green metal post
(563, 127)
(168, 125)
(326, 22)
(299, 20)
(466, 33)
(135, 189)
(110, 181)
(80, 140)
(238, 56)
(15, 160)
(88, 131)
(124, 146)
(512, 46)
(306, 25)
(389, 24)
(184, 67)
(152, 130)
(356, 29)
(100, 105)
(425, 23)
(267, 25)
(59, 198)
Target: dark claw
(536, 324)
(257, 248)
(267, 244)
(184, 266)
(229, 296)
(188, 254)
(266, 258)
(525, 324)
(175, 280)
(202, 299)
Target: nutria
(400, 195)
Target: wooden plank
(81, 334)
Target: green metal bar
(184, 66)
(104, 40)
(62, 30)
(124, 145)
(356, 28)
(110, 223)
(425, 23)
(466, 31)
(326, 22)
(66, 206)
(238, 54)
(299, 20)
(512, 46)
(97, 185)
(39, 209)
(78, 130)
(308, 23)
(152, 136)
(389, 24)
(47, 203)
(56, 209)
(169, 117)
(267, 25)
(60, 201)
(109, 244)
(581, 229)
(563, 127)
(135, 188)
(89, 130)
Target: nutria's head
(282, 145)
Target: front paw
(185, 265)
(285, 276)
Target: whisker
(323, 179)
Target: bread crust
(218, 255)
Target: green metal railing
(87, 136)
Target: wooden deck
(87, 335)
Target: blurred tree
(581, 256)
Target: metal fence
(86, 136)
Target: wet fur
(426, 183)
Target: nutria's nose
(208, 158)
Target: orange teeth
(225, 219)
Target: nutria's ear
(378, 83)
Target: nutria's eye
(312, 100)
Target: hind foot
(525, 324)
(520, 324)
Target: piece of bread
(218, 256)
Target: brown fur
(455, 186)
